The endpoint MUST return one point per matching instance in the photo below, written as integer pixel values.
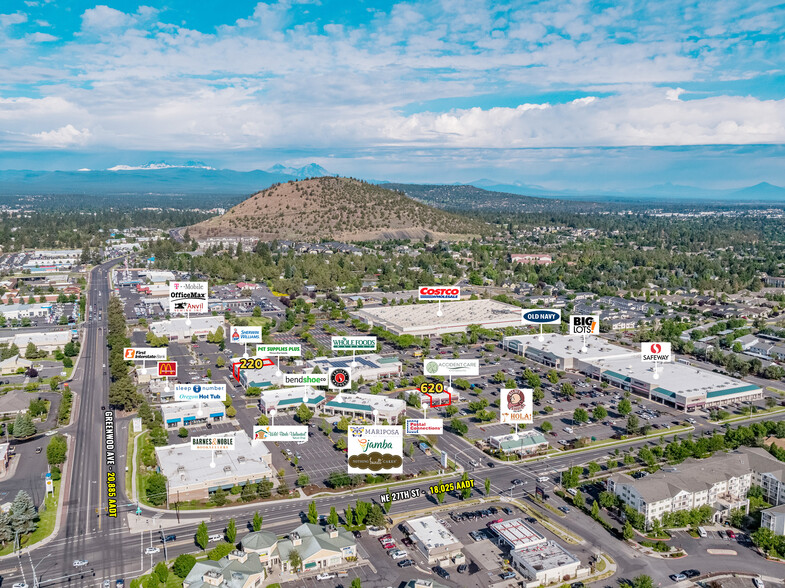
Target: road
(113, 552)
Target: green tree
(155, 489)
(632, 424)
(595, 510)
(256, 523)
(593, 468)
(546, 427)
(459, 426)
(599, 413)
(231, 531)
(183, 565)
(303, 480)
(304, 414)
(56, 450)
(220, 361)
(23, 514)
(202, 537)
(580, 416)
(568, 389)
(162, 572)
(349, 515)
(625, 407)
(295, 560)
(313, 515)
(487, 486)
(356, 583)
(182, 433)
(627, 531)
(578, 500)
(361, 510)
(332, 518)
(23, 426)
(553, 376)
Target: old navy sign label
(201, 392)
(245, 335)
(438, 293)
(656, 351)
(584, 324)
(539, 316)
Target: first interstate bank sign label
(144, 353)
(200, 392)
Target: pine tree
(202, 537)
(231, 531)
(23, 514)
(257, 521)
(313, 515)
(6, 529)
(23, 425)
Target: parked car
(325, 576)
(462, 568)
(564, 509)
(79, 563)
(691, 573)
(508, 575)
(758, 583)
(677, 577)
(406, 563)
(398, 554)
(440, 571)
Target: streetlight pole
(36, 582)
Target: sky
(575, 94)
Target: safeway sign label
(656, 351)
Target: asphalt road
(113, 552)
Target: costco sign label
(245, 335)
(656, 351)
(432, 293)
(538, 316)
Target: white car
(19, 585)
(216, 537)
(398, 554)
(151, 550)
(325, 576)
(78, 563)
(758, 583)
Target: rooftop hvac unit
(227, 468)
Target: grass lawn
(600, 567)
(46, 523)
(172, 581)
(141, 478)
(257, 321)
(131, 466)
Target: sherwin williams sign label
(200, 392)
(144, 353)
(222, 443)
(656, 351)
(451, 367)
(516, 405)
(187, 297)
(538, 316)
(377, 449)
(280, 350)
(295, 434)
(435, 293)
(354, 343)
(588, 324)
(245, 334)
(305, 379)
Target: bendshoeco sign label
(451, 367)
(516, 405)
(439, 293)
(584, 324)
(656, 351)
(186, 297)
(144, 353)
(305, 380)
(245, 334)
(540, 316)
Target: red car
(731, 534)
(496, 521)
(387, 537)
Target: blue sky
(564, 94)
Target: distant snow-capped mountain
(160, 165)
(312, 170)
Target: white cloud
(39, 37)
(103, 17)
(12, 19)
(66, 136)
